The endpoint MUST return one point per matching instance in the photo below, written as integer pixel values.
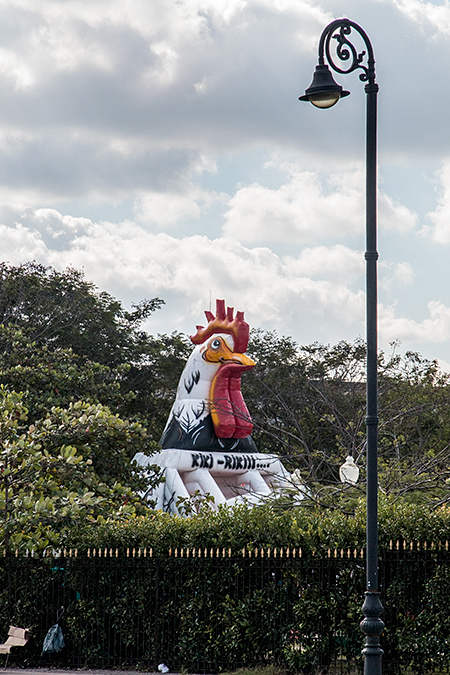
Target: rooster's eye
(215, 344)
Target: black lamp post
(324, 92)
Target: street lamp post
(324, 92)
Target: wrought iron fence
(210, 610)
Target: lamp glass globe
(325, 99)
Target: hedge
(243, 527)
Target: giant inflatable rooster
(209, 412)
(207, 446)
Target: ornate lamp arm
(346, 51)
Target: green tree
(56, 376)
(62, 340)
(70, 359)
(62, 309)
(53, 479)
(308, 406)
(307, 403)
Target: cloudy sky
(160, 146)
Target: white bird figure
(349, 472)
(209, 412)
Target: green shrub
(244, 527)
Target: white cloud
(35, 233)
(300, 210)
(21, 244)
(395, 275)
(71, 35)
(307, 208)
(439, 231)
(427, 13)
(309, 296)
(167, 209)
(166, 106)
(395, 217)
(127, 260)
(12, 66)
(338, 262)
(404, 273)
(433, 329)
(167, 81)
(172, 207)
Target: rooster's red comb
(224, 322)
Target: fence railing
(211, 609)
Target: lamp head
(323, 91)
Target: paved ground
(59, 671)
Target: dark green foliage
(417, 598)
(326, 617)
(69, 469)
(201, 615)
(61, 340)
(50, 376)
(205, 614)
(242, 527)
(70, 420)
(155, 378)
(209, 613)
(309, 404)
(62, 310)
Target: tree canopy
(61, 472)
(309, 405)
(62, 309)
(61, 340)
(70, 423)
